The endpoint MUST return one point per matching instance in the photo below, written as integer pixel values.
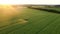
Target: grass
(39, 22)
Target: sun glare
(8, 12)
(8, 2)
(3, 2)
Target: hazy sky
(29, 2)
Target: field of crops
(33, 22)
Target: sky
(48, 2)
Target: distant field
(38, 22)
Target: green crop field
(32, 21)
